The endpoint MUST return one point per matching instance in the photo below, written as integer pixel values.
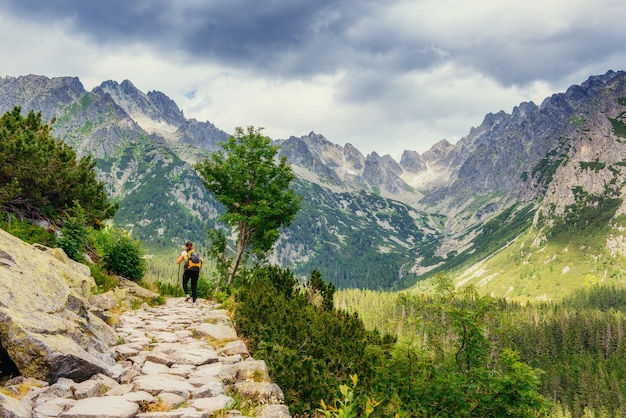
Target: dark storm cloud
(259, 34)
(293, 39)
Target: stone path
(178, 360)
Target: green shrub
(123, 256)
(74, 236)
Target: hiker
(193, 264)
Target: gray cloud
(422, 68)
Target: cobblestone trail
(178, 360)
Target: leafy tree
(41, 177)
(254, 188)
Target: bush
(74, 234)
(123, 256)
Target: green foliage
(123, 255)
(348, 406)
(74, 234)
(618, 124)
(318, 287)
(40, 176)
(26, 230)
(254, 189)
(594, 166)
(169, 288)
(217, 252)
(104, 281)
(545, 168)
(458, 371)
(307, 348)
(578, 343)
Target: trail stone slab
(217, 332)
(53, 407)
(95, 386)
(12, 408)
(231, 348)
(187, 354)
(154, 368)
(171, 399)
(155, 384)
(139, 397)
(176, 413)
(102, 407)
(121, 389)
(212, 388)
(213, 404)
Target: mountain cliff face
(367, 221)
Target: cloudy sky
(383, 75)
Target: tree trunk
(240, 247)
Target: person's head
(188, 245)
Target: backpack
(193, 261)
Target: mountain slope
(537, 175)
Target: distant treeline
(579, 343)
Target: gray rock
(213, 404)
(48, 330)
(261, 392)
(272, 411)
(13, 408)
(102, 407)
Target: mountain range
(527, 205)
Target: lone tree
(256, 190)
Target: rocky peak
(167, 107)
(39, 93)
(155, 113)
(411, 161)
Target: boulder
(46, 327)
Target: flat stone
(139, 396)
(155, 384)
(183, 370)
(95, 386)
(213, 404)
(120, 390)
(234, 348)
(171, 399)
(211, 388)
(12, 408)
(53, 407)
(154, 368)
(103, 407)
(175, 413)
(216, 332)
(187, 354)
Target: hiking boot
(187, 297)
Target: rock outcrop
(46, 326)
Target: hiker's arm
(181, 257)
